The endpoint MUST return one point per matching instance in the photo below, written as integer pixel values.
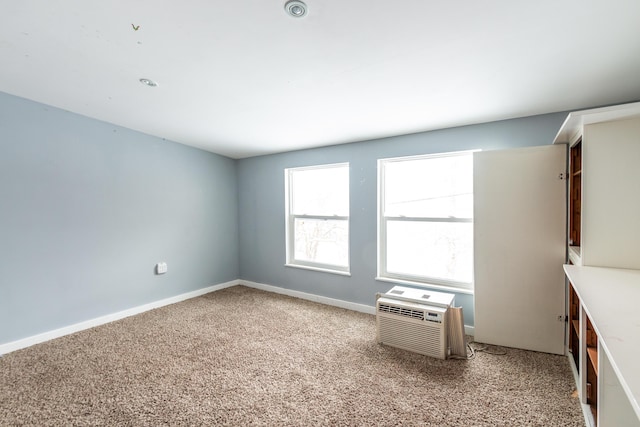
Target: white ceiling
(243, 78)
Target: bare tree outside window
(318, 217)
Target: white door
(519, 247)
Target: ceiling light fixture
(296, 8)
(148, 82)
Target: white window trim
(421, 281)
(290, 223)
(426, 285)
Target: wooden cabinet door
(519, 247)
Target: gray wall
(261, 202)
(87, 209)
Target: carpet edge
(101, 320)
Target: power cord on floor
(494, 349)
(470, 354)
(471, 351)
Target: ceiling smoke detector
(296, 8)
(148, 82)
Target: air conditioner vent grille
(401, 311)
(412, 326)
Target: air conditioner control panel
(431, 316)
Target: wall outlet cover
(161, 268)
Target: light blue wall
(261, 202)
(87, 209)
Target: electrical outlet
(161, 268)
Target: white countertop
(611, 299)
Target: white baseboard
(56, 333)
(311, 297)
(369, 309)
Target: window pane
(322, 241)
(323, 191)
(431, 249)
(436, 187)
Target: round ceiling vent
(148, 82)
(296, 8)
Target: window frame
(384, 219)
(290, 219)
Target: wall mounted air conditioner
(414, 320)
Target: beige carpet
(246, 357)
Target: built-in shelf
(603, 232)
(603, 150)
(576, 327)
(592, 355)
(575, 194)
(608, 299)
(574, 330)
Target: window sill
(441, 288)
(322, 270)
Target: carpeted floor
(241, 356)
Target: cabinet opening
(575, 193)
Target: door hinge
(562, 176)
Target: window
(426, 219)
(317, 209)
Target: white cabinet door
(519, 247)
